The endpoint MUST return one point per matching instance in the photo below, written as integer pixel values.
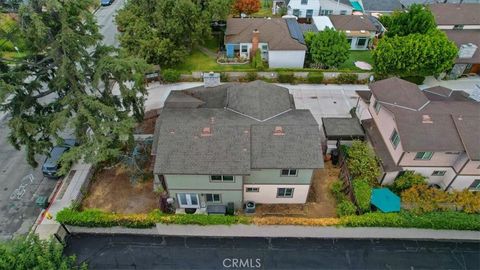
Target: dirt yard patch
(147, 126)
(112, 191)
(320, 203)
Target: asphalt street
(157, 252)
(21, 184)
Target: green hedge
(315, 77)
(346, 78)
(285, 77)
(434, 220)
(346, 208)
(362, 192)
(98, 218)
(171, 75)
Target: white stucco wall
(286, 59)
(362, 110)
(268, 194)
(442, 181)
(463, 181)
(272, 176)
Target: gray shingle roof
(398, 92)
(381, 5)
(451, 14)
(258, 99)
(342, 128)
(238, 143)
(352, 22)
(469, 130)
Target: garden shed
(345, 130)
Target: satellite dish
(475, 95)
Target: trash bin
(230, 208)
(250, 207)
(335, 155)
(42, 202)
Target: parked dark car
(106, 2)
(50, 165)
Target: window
(394, 138)
(377, 106)
(222, 178)
(264, 48)
(361, 42)
(304, 2)
(244, 48)
(452, 153)
(325, 12)
(296, 12)
(213, 198)
(343, 12)
(284, 192)
(309, 13)
(475, 186)
(424, 155)
(438, 173)
(289, 172)
(188, 200)
(349, 40)
(458, 27)
(252, 189)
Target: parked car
(106, 2)
(50, 165)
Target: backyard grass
(365, 56)
(199, 61)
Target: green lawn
(365, 56)
(199, 61)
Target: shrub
(224, 77)
(346, 208)
(251, 76)
(98, 218)
(346, 78)
(418, 80)
(362, 192)
(337, 190)
(435, 220)
(170, 75)
(257, 61)
(362, 162)
(315, 77)
(285, 77)
(406, 181)
(468, 201)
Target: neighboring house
(310, 8)
(381, 6)
(434, 132)
(407, 3)
(359, 29)
(461, 23)
(280, 48)
(235, 143)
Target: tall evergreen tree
(66, 83)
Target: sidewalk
(288, 231)
(465, 84)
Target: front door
(188, 200)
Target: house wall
(286, 59)
(353, 44)
(465, 27)
(201, 184)
(226, 196)
(272, 176)
(389, 178)
(386, 124)
(463, 182)
(317, 6)
(462, 158)
(362, 111)
(268, 194)
(442, 181)
(438, 159)
(472, 167)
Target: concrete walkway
(288, 231)
(465, 84)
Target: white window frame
(222, 178)
(289, 173)
(377, 106)
(188, 198)
(252, 189)
(474, 187)
(309, 15)
(304, 2)
(425, 156)
(297, 11)
(213, 198)
(284, 193)
(364, 45)
(439, 173)
(395, 140)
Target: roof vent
(362, 31)
(460, 117)
(278, 131)
(206, 132)
(212, 120)
(172, 131)
(427, 119)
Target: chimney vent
(427, 119)
(278, 131)
(206, 132)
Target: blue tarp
(356, 6)
(385, 200)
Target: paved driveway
(156, 252)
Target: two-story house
(461, 23)
(235, 143)
(434, 132)
(310, 8)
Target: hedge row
(434, 220)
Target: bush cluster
(257, 61)
(285, 77)
(362, 162)
(346, 78)
(315, 77)
(346, 208)
(171, 75)
(406, 181)
(363, 193)
(251, 76)
(98, 218)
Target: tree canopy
(328, 48)
(417, 19)
(162, 31)
(247, 6)
(218, 9)
(415, 54)
(66, 84)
